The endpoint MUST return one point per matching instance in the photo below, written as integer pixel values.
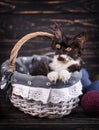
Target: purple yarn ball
(90, 103)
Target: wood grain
(19, 17)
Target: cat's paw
(52, 76)
(64, 75)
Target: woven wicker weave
(44, 99)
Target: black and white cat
(67, 57)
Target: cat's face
(66, 46)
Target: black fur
(62, 45)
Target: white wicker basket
(36, 95)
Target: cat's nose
(60, 58)
(64, 58)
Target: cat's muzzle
(64, 58)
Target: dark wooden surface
(19, 17)
(11, 117)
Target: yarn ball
(93, 86)
(90, 103)
(85, 80)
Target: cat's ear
(57, 30)
(80, 39)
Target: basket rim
(24, 77)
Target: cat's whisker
(64, 58)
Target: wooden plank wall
(19, 17)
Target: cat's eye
(68, 49)
(58, 46)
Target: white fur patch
(64, 75)
(60, 68)
(52, 76)
(57, 65)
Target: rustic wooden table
(13, 118)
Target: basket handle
(18, 45)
